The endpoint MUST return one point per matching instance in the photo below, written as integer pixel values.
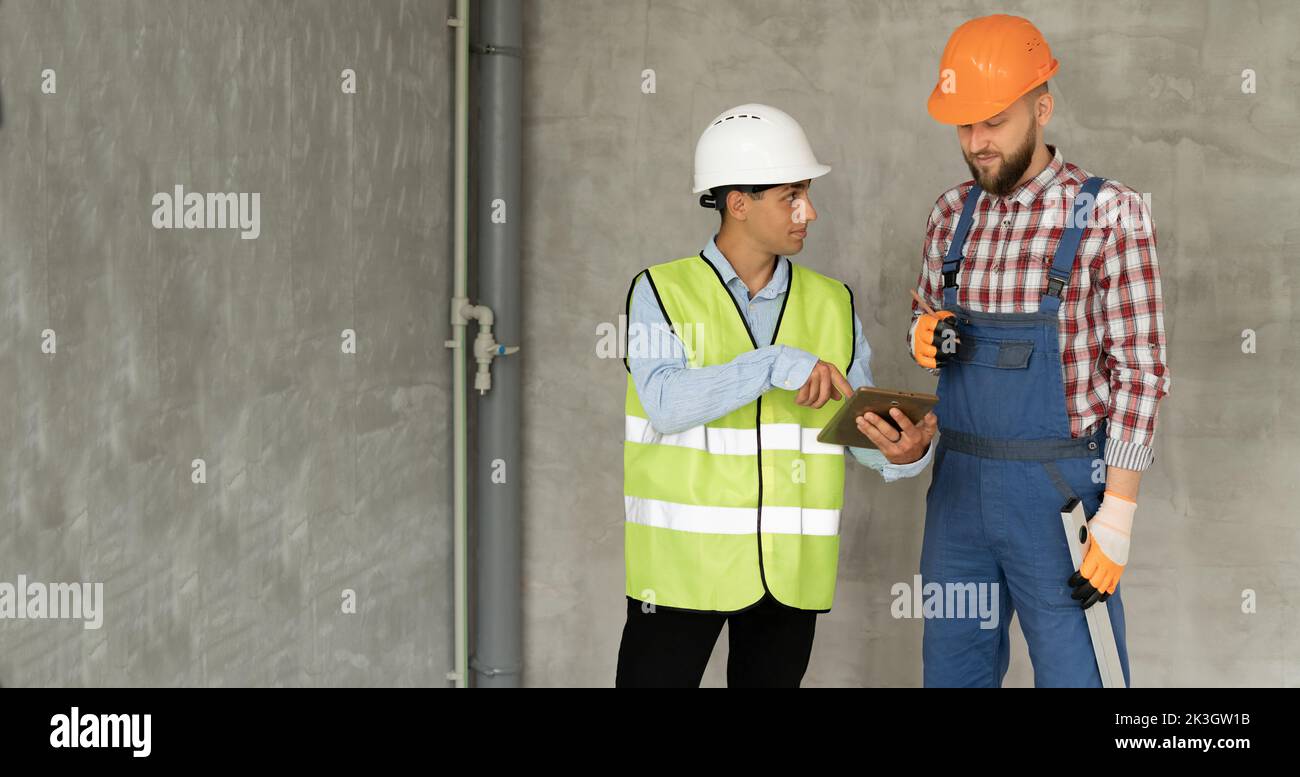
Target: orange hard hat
(988, 64)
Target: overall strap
(952, 261)
(1063, 261)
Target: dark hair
(718, 195)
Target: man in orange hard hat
(1049, 341)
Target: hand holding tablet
(898, 423)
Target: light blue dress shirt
(677, 398)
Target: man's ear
(738, 208)
(1043, 108)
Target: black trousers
(768, 646)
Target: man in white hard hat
(732, 506)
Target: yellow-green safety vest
(749, 502)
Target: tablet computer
(842, 429)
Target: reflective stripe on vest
(784, 437)
(719, 514)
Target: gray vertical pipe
(498, 645)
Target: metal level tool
(1079, 539)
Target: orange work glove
(1108, 554)
(934, 338)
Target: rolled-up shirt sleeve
(1134, 341)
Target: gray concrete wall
(1148, 93)
(325, 471)
(329, 471)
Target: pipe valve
(486, 348)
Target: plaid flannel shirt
(1111, 331)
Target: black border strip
(627, 315)
(628, 312)
(853, 339)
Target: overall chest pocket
(1000, 354)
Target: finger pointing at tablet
(825, 383)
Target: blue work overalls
(1004, 467)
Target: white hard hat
(754, 144)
